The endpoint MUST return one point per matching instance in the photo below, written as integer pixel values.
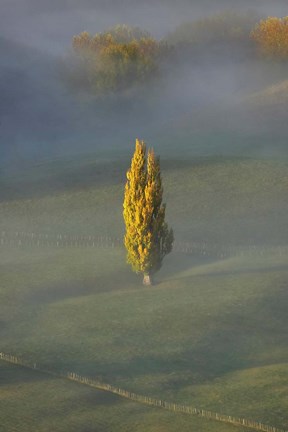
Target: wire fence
(200, 249)
(144, 399)
(18, 239)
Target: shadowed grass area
(32, 401)
(208, 334)
(211, 333)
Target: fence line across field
(21, 238)
(144, 399)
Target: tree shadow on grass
(250, 336)
(122, 279)
(235, 337)
(116, 280)
(62, 290)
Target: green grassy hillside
(211, 333)
(31, 401)
(208, 199)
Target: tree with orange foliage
(271, 37)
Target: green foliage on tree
(148, 238)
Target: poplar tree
(148, 238)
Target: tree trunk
(147, 280)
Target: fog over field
(41, 117)
(49, 25)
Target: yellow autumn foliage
(271, 37)
(117, 59)
(147, 239)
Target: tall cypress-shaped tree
(147, 237)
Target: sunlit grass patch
(210, 333)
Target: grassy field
(236, 201)
(33, 402)
(211, 333)
(225, 348)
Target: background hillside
(209, 88)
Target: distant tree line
(125, 57)
(117, 59)
(267, 37)
(225, 27)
